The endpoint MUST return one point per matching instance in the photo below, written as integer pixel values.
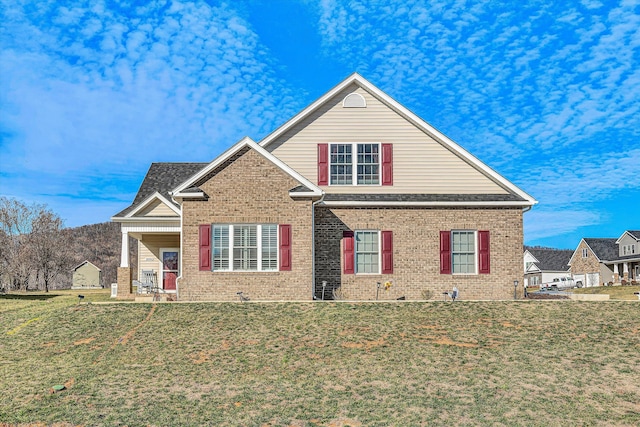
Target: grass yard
(318, 364)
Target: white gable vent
(354, 100)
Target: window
(463, 252)
(220, 248)
(628, 249)
(341, 164)
(252, 247)
(367, 252)
(366, 163)
(585, 252)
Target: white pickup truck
(560, 283)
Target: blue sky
(546, 93)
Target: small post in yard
(324, 286)
(515, 288)
(377, 289)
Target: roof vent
(354, 100)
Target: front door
(169, 268)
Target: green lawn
(319, 364)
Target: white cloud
(157, 83)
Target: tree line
(38, 253)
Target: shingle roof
(162, 177)
(422, 198)
(605, 248)
(551, 259)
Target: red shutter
(323, 164)
(387, 164)
(285, 247)
(445, 252)
(387, 252)
(348, 252)
(484, 258)
(205, 247)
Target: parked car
(561, 283)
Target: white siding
(626, 241)
(420, 164)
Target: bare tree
(16, 219)
(51, 256)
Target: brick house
(598, 261)
(352, 192)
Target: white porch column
(615, 269)
(124, 255)
(625, 271)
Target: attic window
(354, 100)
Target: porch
(158, 263)
(626, 271)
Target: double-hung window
(367, 252)
(365, 163)
(463, 252)
(244, 247)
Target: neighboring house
(542, 265)
(607, 260)
(86, 275)
(353, 191)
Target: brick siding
(247, 190)
(416, 252)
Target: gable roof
(83, 263)
(604, 249)
(551, 259)
(149, 200)
(161, 178)
(633, 233)
(524, 198)
(188, 188)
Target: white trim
(150, 229)
(124, 248)
(337, 203)
(303, 194)
(355, 78)
(244, 142)
(147, 202)
(624, 234)
(148, 219)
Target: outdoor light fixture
(515, 287)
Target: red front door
(169, 269)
